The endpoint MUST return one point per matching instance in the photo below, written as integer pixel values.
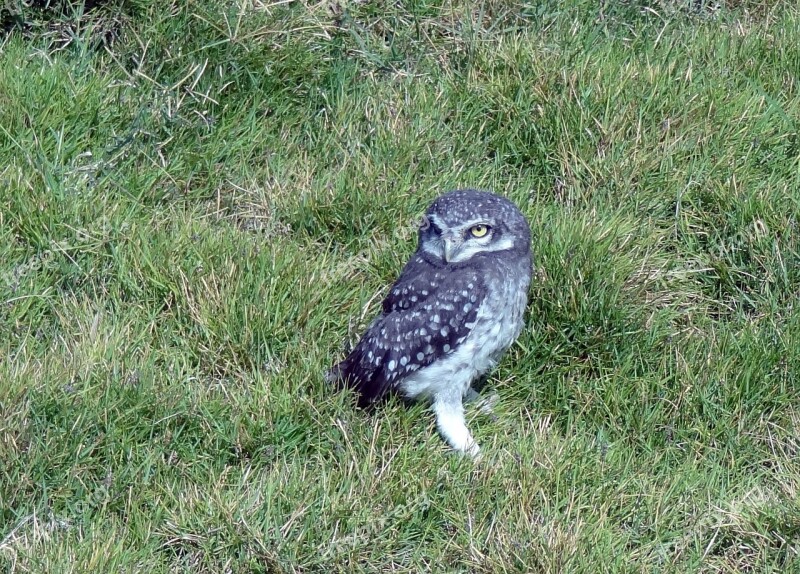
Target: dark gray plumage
(455, 309)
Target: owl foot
(485, 404)
(452, 425)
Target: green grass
(197, 217)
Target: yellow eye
(479, 230)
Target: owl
(455, 309)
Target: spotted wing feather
(426, 315)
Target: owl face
(462, 224)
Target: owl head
(465, 223)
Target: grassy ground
(195, 218)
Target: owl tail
(333, 376)
(340, 376)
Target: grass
(200, 210)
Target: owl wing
(425, 316)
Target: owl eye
(479, 230)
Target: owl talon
(452, 425)
(485, 404)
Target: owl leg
(471, 395)
(452, 425)
(485, 404)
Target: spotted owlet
(455, 309)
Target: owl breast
(498, 324)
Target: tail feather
(343, 375)
(333, 375)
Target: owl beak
(451, 247)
